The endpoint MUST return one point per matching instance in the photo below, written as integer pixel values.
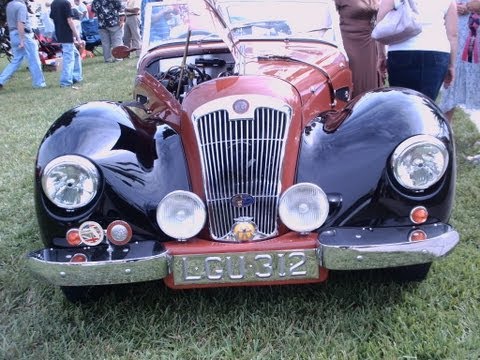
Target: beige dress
(357, 18)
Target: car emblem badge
(91, 233)
(242, 200)
(244, 229)
(241, 106)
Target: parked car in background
(242, 160)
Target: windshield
(171, 20)
(314, 19)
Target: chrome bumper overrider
(337, 249)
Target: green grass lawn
(351, 316)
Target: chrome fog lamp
(303, 207)
(70, 181)
(181, 214)
(419, 162)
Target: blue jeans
(29, 52)
(72, 65)
(423, 71)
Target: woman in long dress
(357, 18)
(464, 90)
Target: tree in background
(3, 16)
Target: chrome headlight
(303, 207)
(70, 181)
(181, 214)
(419, 162)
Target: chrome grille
(242, 156)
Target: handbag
(399, 24)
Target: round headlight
(303, 207)
(181, 214)
(419, 162)
(70, 181)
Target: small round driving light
(417, 235)
(119, 232)
(419, 162)
(303, 207)
(73, 237)
(181, 214)
(70, 181)
(419, 215)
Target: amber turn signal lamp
(417, 235)
(419, 215)
(78, 258)
(73, 237)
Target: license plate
(245, 267)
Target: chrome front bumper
(357, 249)
(336, 249)
(144, 261)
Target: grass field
(351, 316)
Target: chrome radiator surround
(242, 155)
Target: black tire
(410, 273)
(82, 294)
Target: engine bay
(179, 79)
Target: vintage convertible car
(241, 160)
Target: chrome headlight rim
(412, 143)
(175, 233)
(322, 203)
(85, 165)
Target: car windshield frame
(233, 21)
(279, 19)
(170, 21)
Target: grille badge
(242, 200)
(244, 229)
(241, 106)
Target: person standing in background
(464, 92)
(426, 60)
(131, 32)
(81, 8)
(68, 36)
(48, 26)
(23, 45)
(32, 15)
(357, 18)
(79, 12)
(90, 13)
(111, 19)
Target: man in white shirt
(131, 30)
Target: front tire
(410, 273)
(82, 294)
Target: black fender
(351, 162)
(139, 162)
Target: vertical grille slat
(242, 156)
